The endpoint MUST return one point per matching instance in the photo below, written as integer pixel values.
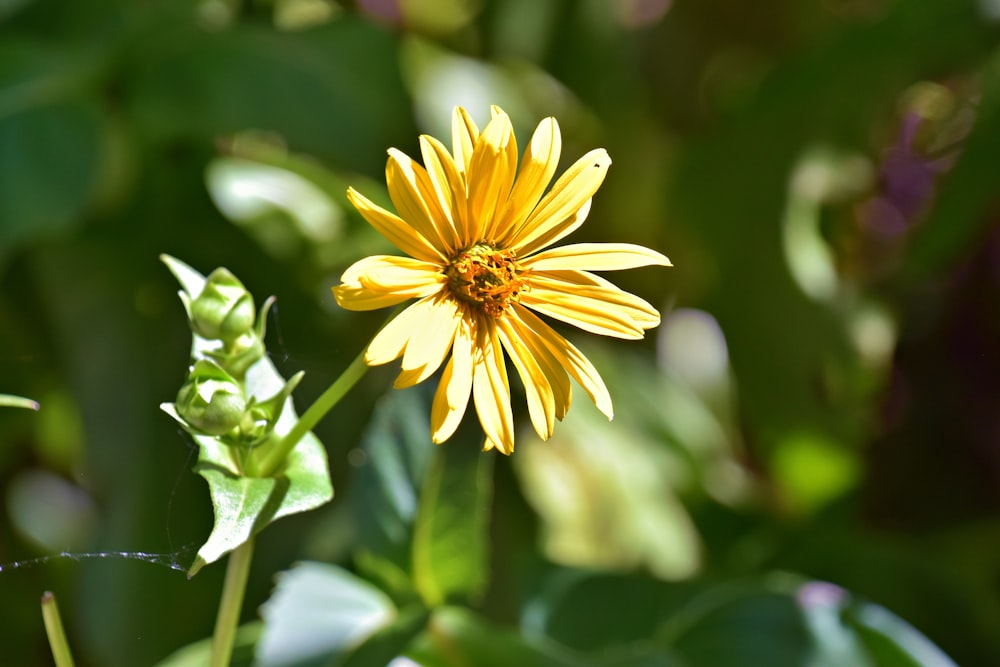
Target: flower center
(485, 276)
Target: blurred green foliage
(822, 402)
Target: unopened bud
(211, 401)
(224, 310)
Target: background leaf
(318, 614)
(450, 547)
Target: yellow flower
(475, 227)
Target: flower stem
(54, 629)
(228, 618)
(275, 456)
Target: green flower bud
(239, 355)
(211, 401)
(224, 310)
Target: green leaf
(199, 653)
(50, 162)
(335, 89)
(772, 620)
(389, 642)
(386, 490)
(246, 505)
(320, 613)
(891, 641)
(460, 637)
(450, 543)
(563, 608)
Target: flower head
(476, 227)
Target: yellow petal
(490, 176)
(396, 230)
(556, 232)
(430, 343)
(538, 165)
(541, 402)
(556, 375)
(385, 280)
(449, 188)
(575, 363)
(354, 297)
(594, 293)
(414, 196)
(582, 309)
(464, 134)
(390, 342)
(491, 390)
(390, 272)
(559, 207)
(595, 257)
(452, 395)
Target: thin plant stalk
(231, 604)
(54, 629)
(273, 459)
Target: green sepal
(244, 504)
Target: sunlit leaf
(318, 614)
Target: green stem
(55, 632)
(275, 457)
(237, 572)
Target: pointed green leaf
(246, 505)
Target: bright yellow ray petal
(396, 230)
(538, 165)
(390, 342)
(490, 176)
(595, 257)
(556, 232)
(588, 288)
(452, 395)
(385, 280)
(491, 390)
(584, 315)
(538, 391)
(575, 363)
(464, 134)
(449, 188)
(413, 195)
(354, 297)
(562, 390)
(558, 208)
(429, 344)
